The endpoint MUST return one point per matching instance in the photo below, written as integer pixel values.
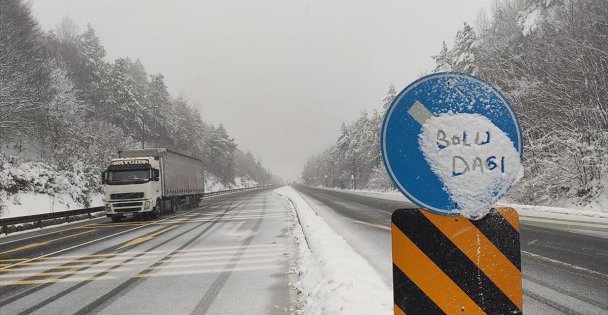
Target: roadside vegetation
(550, 58)
(66, 109)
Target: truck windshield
(121, 177)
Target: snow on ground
(333, 278)
(592, 211)
(391, 195)
(543, 211)
(212, 184)
(29, 203)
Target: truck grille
(134, 195)
(128, 209)
(127, 206)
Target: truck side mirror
(155, 175)
(104, 176)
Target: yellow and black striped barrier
(452, 265)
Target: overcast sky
(281, 75)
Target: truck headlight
(108, 207)
(147, 204)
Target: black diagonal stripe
(409, 298)
(453, 262)
(502, 234)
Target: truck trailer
(149, 182)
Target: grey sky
(281, 75)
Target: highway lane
(230, 255)
(564, 264)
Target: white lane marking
(178, 265)
(245, 252)
(217, 270)
(188, 255)
(249, 211)
(208, 250)
(379, 226)
(95, 240)
(201, 259)
(558, 262)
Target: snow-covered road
(564, 258)
(231, 255)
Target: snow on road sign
(452, 144)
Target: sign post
(451, 143)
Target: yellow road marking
(379, 226)
(11, 260)
(146, 238)
(58, 273)
(32, 245)
(45, 267)
(92, 241)
(55, 280)
(236, 227)
(191, 255)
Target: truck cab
(147, 182)
(132, 187)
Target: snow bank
(475, 160)
(333, 278)
(539, 210)
(28, 188)
(213, 183)
(28, 203)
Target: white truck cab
(151, 181)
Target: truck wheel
(174, 205)
(154, 214)
(116, 218)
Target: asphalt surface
(230, 255)
(564, 263)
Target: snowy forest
(550, 57)
(65, 110)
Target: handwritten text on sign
(473, 158)
(461, 165)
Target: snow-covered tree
(443, 61)
(24, 70)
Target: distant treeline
(551, 59)
(60, 96)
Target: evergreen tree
(443, 61)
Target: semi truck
(149, 182)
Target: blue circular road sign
(434, 95)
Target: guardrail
(16, 224)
